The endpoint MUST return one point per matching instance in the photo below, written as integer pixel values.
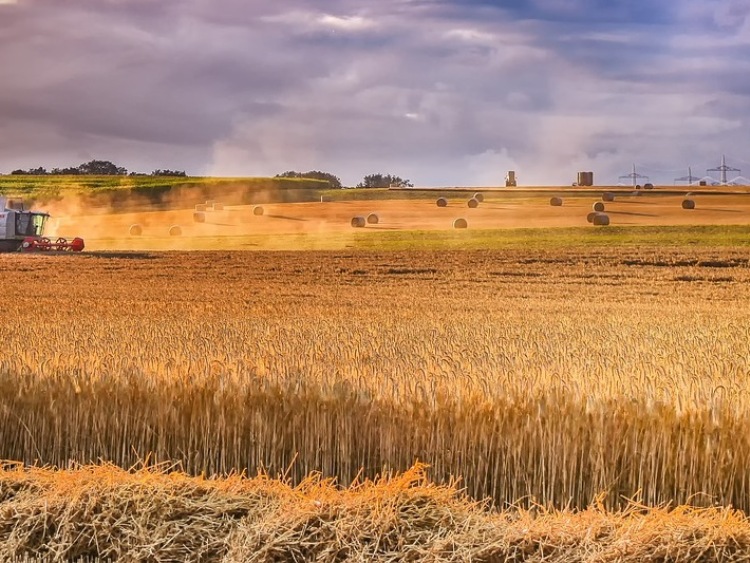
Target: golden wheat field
(568, 404)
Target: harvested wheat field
(568, 404)
(328, 225)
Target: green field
(45, 188)
(530, 238)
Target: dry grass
(105, 513)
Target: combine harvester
(23, 231)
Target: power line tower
(689, 178)
(634, 176)
(723, 169)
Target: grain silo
(585, 179)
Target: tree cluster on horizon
(369, 181)
(332, 179)
(384, 181)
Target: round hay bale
(479, 197)
(135, 230)
(175, 231)
(218, 206)
(688, 204)
(590, 217)
(637, 186)
(473, 203)
(555, 201)
(601, 219)
(358, 221)
(442, 202)
(257, 210)
(648, 186)
(199, 217)
(373, 219)
(608, 196)
(598, 206)
(200, 207)
(460, 223)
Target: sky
(440, 92)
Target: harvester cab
(24, 230)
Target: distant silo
(585, 179)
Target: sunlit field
(581, 393)
(254, 218)
(232, 371)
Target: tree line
(369, 181)
(107, 168)
(94, 168)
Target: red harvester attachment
(43, 244)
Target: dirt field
(107, 230)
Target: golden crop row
(552, 378)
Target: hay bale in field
(358, 221)
(460, 223)
(258, 210)
(598, 206)
(373, 219)
(601, 219)
(556, 201)
(473, 203)
(135, 230)
(442, 202)
(199, 217)
(479, 197)
(648, 186)
(590, 217)
(608, 196)
(175, 231)
(200, 207)
(218, 206)
(688, 204)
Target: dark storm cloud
(440, 91)
(561, 11)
